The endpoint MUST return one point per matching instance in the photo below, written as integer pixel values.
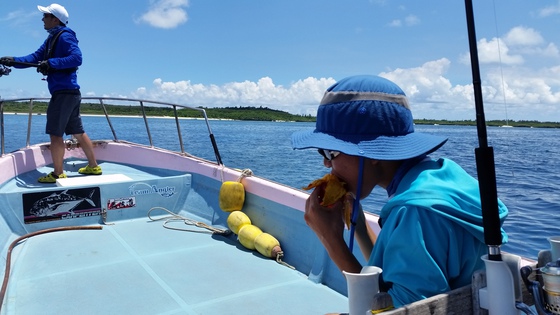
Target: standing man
(58, 58)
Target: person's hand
(326, 222)
(44, 67)
(7, 61)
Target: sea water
(527, 161)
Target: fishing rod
(484, 154)
(21, 63)
(5, 70)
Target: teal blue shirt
(432, 235)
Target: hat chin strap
(356, 205)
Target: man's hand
(7, 61)
(44, 67)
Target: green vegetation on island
(492, 123)
(233, 113)
(246, 113)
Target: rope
(222, 167)
(245, 173)
(26, 236)
(281, 262)
(173, 217)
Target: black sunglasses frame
(328, 154)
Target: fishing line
(500, 61)
(502, 75)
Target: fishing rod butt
(488, 195)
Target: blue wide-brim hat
(367, 116)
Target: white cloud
(523, 36)
(424, 82)
(551, 50)
(23, 22)
(11, 16)
(550, 10)
(497, 51)
(166, 13)
(512, 82)
(301, 97)
(528, 94)
(395, 23)
(527, 41)
(430, 93)
(513, 47)
(411, 20)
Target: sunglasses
(328, 154)
(48, 15)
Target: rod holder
(503, 285)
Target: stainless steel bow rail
(102, 101)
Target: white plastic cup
(554, 247)
(362, 288)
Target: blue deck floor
(139, 267)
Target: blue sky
(284, 54)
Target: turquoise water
(527, 161)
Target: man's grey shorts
(63, 113)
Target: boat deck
(140, 267)
(134, 265)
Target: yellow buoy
(232, 196)
(248, 234)
(236, 220)
(267, 245)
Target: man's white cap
(56, 10)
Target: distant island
(493, 123)
(250, 113)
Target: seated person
(432, 236)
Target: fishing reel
(4, 70)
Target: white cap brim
(43, 9)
